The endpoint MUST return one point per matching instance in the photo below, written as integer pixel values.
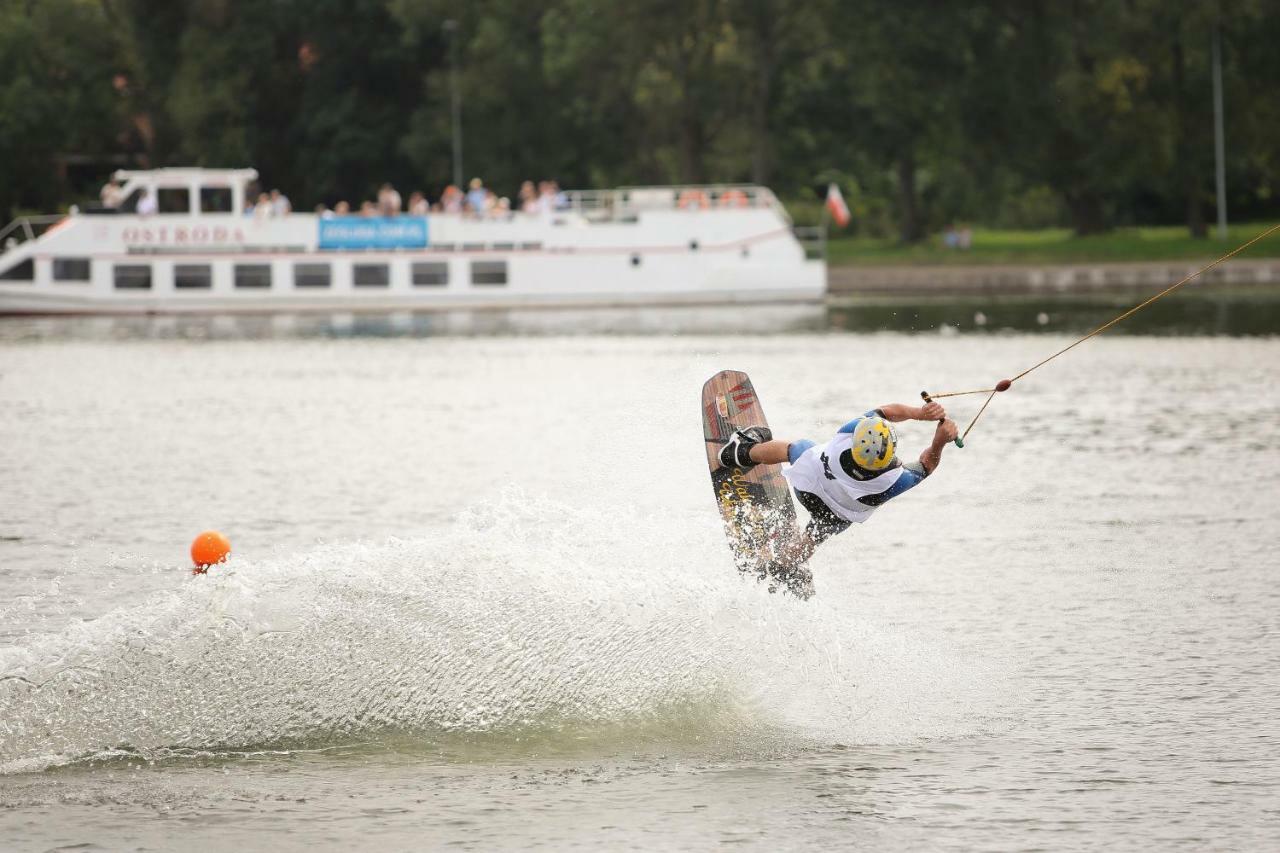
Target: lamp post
(1219, 137)
(451, 27)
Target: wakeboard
(759, 517)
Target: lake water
(480, 598)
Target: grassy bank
(1055, 246)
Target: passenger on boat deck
(546, 197)
(418, 205)
(477, 198)
(146, 204)
(280, 205)
(368, 209)
(262, 210)
(451, 199)
(111, 195)
(528, 198)
(550, 198)
(323, 212)
(388, 201)
(342, 208)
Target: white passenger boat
(200, 253)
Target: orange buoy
(209, 548)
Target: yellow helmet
(874, 444)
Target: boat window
(430, 274)
(489, 272)
(174, 199)
(253, 275)
(133, 277)
(372, 275)
(215, 199)
(192, 276)
(130, 203)
(70, 269)
(311, 275)
(21, 271)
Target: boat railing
(26, 228)
(626, 202)
(813, 239)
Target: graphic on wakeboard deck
(759, 517)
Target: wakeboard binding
(736, 453)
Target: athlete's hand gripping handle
(924, 395)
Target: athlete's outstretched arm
(901, 412)
(770, 452)
(943, 434)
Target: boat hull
(223, 263)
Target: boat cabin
(183, 190)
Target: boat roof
(187, 174)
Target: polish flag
(835, 204)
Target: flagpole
(822, 232)
(826, 216)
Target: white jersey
(818, 471)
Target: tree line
(1028, 113)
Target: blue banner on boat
(380, 232)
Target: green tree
(57, 99)
(662, 72)
(906, 75)
(927, 112)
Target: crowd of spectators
(477, 202)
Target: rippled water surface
(479, 595)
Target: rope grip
(924, 395)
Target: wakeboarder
(844, 481)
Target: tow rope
(1005, 384)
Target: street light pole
(451, 27)
(1219, 135)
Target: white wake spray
(522, 616)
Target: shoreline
(1041, 279)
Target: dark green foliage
(1088, 113)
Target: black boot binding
(737, 453)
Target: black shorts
(823, 523)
